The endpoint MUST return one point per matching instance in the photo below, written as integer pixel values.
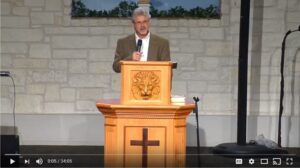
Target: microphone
(139, 45)
(291, 31)
(5, 73)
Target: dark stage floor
(92, 156)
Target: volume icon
(39, 161)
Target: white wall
(61, 65)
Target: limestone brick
(88, 80)
(41, 18)
(270, 40)
(173, 22)
(100, 67)
(66, 30)
(86, 105)
(67, 2)
(52, 92)
(219, 88)
(102, 55)
(293, 5)
(116, 82)
(80, 42)
(183, 60)
(218, 48)
(55, 107)
(217, 102)
(111, 95)
(93, 22)
(208, 63)
(21, 35)
(5, 8)
(99, 30)
(235, 3)
(67, 94)
(113, 40)
(78, 66)
(273, 13)
(88, 93)
(14, 48)
(214, 22)
(203, 22)
(35, 89)
(6, 61)
(203, 75)
(21, 11)
(225, 21)
(19, 89)
(58, 64)
(107, 30)
(235, 15)
(197, 86)
(66, 20)
(225, 8)
(163, 22)
(178, 36)
(293, 16)
(4, 90)
(166, 29)
(212, 33)
(40, 51)
(29, 104)
(113, 21)
(36, 9)
(19, 76)
(192, 46)
(179, 88)
(6, 105)
(53, 5)
(30, 63)
(102, 22)
(192, 22)
(34, 3)
(14, 21)
(282, 4)
(67, 11)
(49, 76)
(62, 53)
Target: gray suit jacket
(159, 50)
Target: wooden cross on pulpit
(144, 143)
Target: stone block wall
(63, 65)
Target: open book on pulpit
(146, 83)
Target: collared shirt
(145, 46)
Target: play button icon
(9, 161)
(12, 161)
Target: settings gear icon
(251, 161)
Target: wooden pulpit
(144, 128)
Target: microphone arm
(282, 82)
(7, 74)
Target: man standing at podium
(142, 45)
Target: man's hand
(136, 56)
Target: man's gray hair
(140, 11)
